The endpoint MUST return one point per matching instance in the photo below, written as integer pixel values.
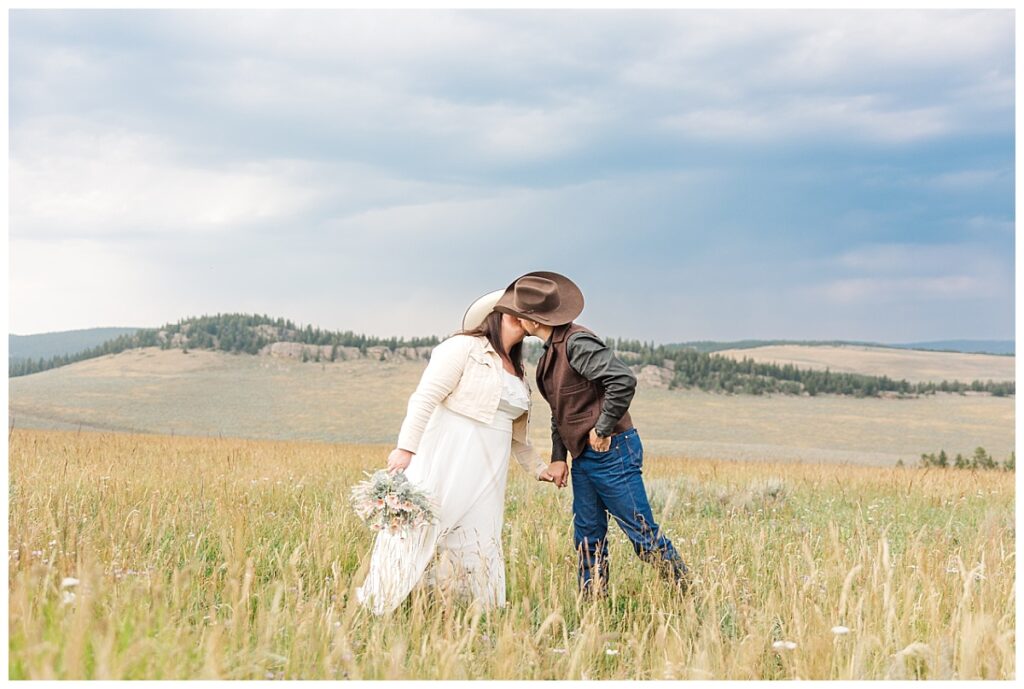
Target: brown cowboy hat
(541, 296)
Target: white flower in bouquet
(392, 503)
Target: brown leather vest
(575, 401)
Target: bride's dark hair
(491, 329)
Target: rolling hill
(912, 365)
(1000, 347)
(675, 365)
(204, 392)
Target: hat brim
(479, 310)
(570, 301)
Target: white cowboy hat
(480, 309)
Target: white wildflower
(839, 630)
(611, 652)
(68, 582)
(784, 645)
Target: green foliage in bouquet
(392, 503)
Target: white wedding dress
(463, 465)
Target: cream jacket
(464, 374)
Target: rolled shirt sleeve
(558, 451)
(595, 361)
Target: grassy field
(913, 365)
(224, 558)
(212, 393)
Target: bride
(468, 415)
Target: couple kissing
(469, 415)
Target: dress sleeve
(523, 450)
(443, 372)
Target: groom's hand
(398, 460)
(559, 472)
(598, 443)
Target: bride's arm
(523, 450)
(443, 372)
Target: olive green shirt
(595, 361)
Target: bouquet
(392, 502)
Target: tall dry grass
(211, 558)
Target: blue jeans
(610, 482)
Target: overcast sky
(700, 175)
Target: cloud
(917, 258)
(901, 290)
(73, 179)
(986, 224)
(707, 160)
(860, 117)
(972, 179)
(80, 283)
(895, 273)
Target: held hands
(398, 460)
(557, 473)
(598, 443)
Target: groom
(589, 391)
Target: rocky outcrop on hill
(652, 376)
(346, 353)
(177, 339)
(272, 332)
(297, 350)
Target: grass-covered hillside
(734, 371)
(230, 332)
(206, 392)
(681, 366)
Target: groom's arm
(558, 469)
(595, 361)
(558, 451)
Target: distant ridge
(61, 343)
(997, 347)
(1000, 347)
